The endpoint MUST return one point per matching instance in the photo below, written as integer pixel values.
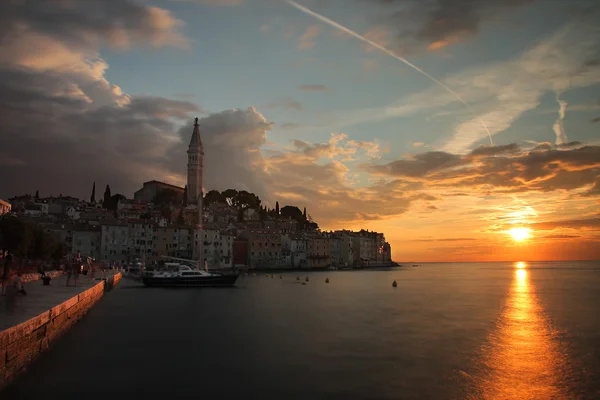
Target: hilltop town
(233, 228)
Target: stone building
(151, 188)
(87, 240)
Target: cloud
(313, 88)
(87, 23)
(445, 240)
(308, 38)
(232, 140)
(63, 125)
(214, 2)
(436, 24)
(585, 224)
(559, 125)
(294, 125)
(286, 103)
(561, 237)
(499, 93)
(500, 169)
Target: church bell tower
(194, 171)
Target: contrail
(388, 52)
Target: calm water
(448, 331)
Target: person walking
(6, 275)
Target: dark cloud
(63, 143)
(286, 104)
(85, 23)
(444, 240)
(420, 165)
(313, 88)
(542, 169)
(232, 140)
(63, 125)
(495, 150)
(596, 120)
(561, 237)
(294, 125)
(438, 23)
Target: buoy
(327, 280)
(307, 279)
(297, 278)
(394, 284)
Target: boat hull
(194, 281)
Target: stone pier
(22, 343)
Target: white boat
(179, 274)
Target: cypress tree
(107, 198)
(93, 196)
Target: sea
(528, 330)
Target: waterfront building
(217, 246)
(115, 241)
(240, 252)
(88, 240)
(319, 250)
(264, 247)
(295, 247)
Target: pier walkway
(16, 308)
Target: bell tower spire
(194, 170)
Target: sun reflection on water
(522, 360)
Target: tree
(213, 196)
(43, 245)
(180, 217)
(93, 196)
(107, 196)
(292, 212)
(16, 237)
(37, 195)
(277, 208)
(229, 195)
(304, 214)
(246, 199)
(185, 195)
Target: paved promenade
(16, 308)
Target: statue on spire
(196, 121)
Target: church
(195, 165)
(194, 174)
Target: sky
(464, 130)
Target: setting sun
(520, 234)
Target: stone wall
(22, 344)
(112, 281)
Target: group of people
(73, 266)
(77, 266)
(8, 279)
